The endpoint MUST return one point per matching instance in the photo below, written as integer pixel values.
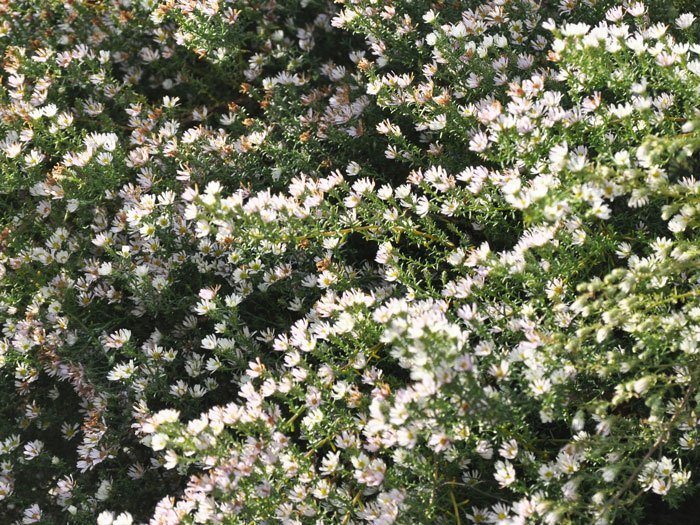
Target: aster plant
(351, 262)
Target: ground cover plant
(352, 262)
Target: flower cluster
(349, 262)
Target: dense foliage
(372, 261)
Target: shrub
(374, 262)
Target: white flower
(117, 339)
(171, 459)
(122, 371)
(158, 441)
(685, 20)
(637, 9)
(505, 473)
(31, 514)
(439, 442)
(479, 142)
(329, 464)
(33, 449)
(575, 29)
(661, 486)
(105, 518)
(103, 491)
(509, 449)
